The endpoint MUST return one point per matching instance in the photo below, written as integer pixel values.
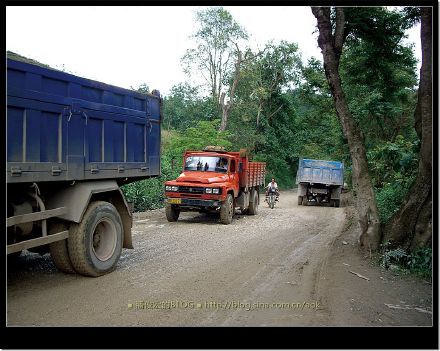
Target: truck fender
(78, 196)
(233, 192)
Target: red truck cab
(214, 180)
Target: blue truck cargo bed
(320, 172)
(61, 127)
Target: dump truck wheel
(253, 205)
(337, 203)
(227, 210)
(59, 251)
(304, 201)
(172, 213)
(300, 200)
(95, 244)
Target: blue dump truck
(71, 143)
(320, 181)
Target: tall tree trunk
(411, 226)
(226, 106)
(331, 47)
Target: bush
(147, 194)
(420, 262)
(390, 197)
(396, 257)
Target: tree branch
(270, 116)
(340, 34)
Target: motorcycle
(271, 198)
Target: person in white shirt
(273, 186)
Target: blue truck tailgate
(320, 171)
(61, 127)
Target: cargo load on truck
(320, 181)
(71, 143)
(214, 180)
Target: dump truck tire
(337, 203)
(95, 244)
(300, 200)
(227, 210)
(253, 205)
(172, 213)
(304, 201)
(59, 251)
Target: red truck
(214, 180)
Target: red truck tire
(172, 213)
(253, 203)
(227, 210)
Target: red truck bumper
(185, 202)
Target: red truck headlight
(171, 188)
(212, 190)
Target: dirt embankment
(287, 266)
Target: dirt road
(287, 266)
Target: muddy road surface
(286, 266)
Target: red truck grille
(191, 190)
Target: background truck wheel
(172, 213)
(59, 251)
(300, 200)
(337, 203)
(227, 210)
(95, 244)
(253, 205)
(304, 201)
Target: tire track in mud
(305, 257)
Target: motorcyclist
(273, 186)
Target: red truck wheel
(172, 213)
(253, 204)
(227, 210)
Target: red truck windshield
(206, 164)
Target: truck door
(233, 176)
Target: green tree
(217, 56)
(202, 134)
(373, 104)
(185, 106)
(142, 88)
(411, 226)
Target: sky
(127, 46)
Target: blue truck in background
(320, 181)
(71, 143)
